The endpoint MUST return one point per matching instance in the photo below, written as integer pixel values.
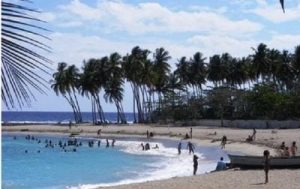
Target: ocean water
(55, 117)
(93, 167)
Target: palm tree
(21, 65)
(133, 65)
(261, 62)
(91, 82)
(114, 85)
(198, 71)
(161, 70)
(182, 71)
(64, 82)
(72, 84)
(296, 66)
(217, 69)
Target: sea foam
(171, 164)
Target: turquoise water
(88, 167)
(54, 168)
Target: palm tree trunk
(74, 113)
(133, 102)
(78, 107)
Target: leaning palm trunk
(133, 102)
(74, 112)
(74, 107)
(78, 107)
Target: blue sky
(83, 29)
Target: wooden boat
(255, 162)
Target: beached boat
(254, 162)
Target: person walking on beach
(70, 124)
(195, 160)
(266, 165)
(254, 134)
(191, 147)
(223, 142)
(179, 148)
(191, 132)
(294, 149)
(99, 132)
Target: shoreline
(265, 139)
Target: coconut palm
(134, 66)
(65, 82)
(21, 65)
(182, 71)
(114, 85)
(91, 82)
(218, 68)
(198, 71)
(261, 62)
(161, 70)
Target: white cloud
(153, 17)
(217, 44)
(274, 13)
(286, 41)
(74, 48)
(84, 11)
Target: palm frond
(22, 63)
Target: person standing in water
(195, 160)
(179, 148)
(113, 142)
(191, 132)
(191, 147)
(266, 165)
(107, 143)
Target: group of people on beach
(286, 151)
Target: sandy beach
(265, 139)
